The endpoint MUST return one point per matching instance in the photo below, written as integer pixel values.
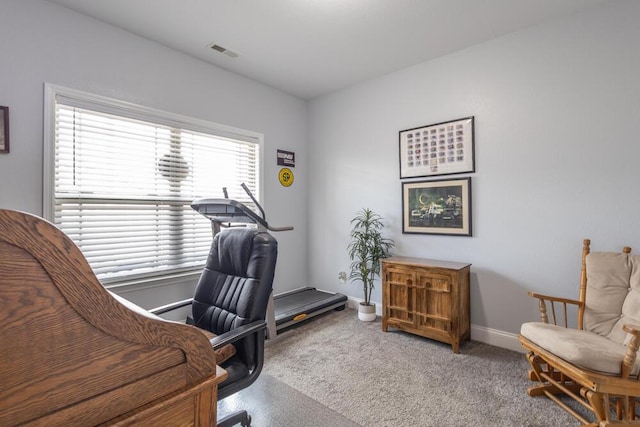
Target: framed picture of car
(437, 207)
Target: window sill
(153, 282)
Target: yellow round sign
(286, 177)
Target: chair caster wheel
(248, 423)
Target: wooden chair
(594, 364)
(72, 354)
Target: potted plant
(366, 249)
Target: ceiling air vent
(221, 49)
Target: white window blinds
(124, 178)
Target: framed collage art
(439, 149)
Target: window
(120, 178)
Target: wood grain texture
(427, 297)
(74, 355)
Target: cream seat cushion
(585, 349)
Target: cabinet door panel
(433, 310)
(435, 282)
(400, 305)
(433, 301)
(401, 295)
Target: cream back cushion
(613, 294)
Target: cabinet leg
(456, 347)
(384, 325)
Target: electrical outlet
(342, 277)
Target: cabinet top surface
(424, 262)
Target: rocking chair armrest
(632, 349)
(632, 329)
(555, 299)
(563, 302)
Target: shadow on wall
(509, 305)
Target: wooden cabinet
(427, 297)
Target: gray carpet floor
(351, 372)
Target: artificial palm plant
(366, 249)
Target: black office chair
(231, 301)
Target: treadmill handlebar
(250, 194)
(227, 211)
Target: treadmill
(285, 309)
(301, 304)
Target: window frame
(128, 109)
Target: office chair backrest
(235, 285)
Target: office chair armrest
(170, 307)
(237, 334)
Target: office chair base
(241, 417)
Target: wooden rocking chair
(594, 364)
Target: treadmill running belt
(303, 303)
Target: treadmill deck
(300, 304)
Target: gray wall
(557, 109)
(43, 42)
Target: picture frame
(439, 149)
(437, 207)
(4, 129)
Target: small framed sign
(286, 158)
(4, 129)
(439, 149)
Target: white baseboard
(482, 334)
(496, 338)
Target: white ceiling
(312, 47)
